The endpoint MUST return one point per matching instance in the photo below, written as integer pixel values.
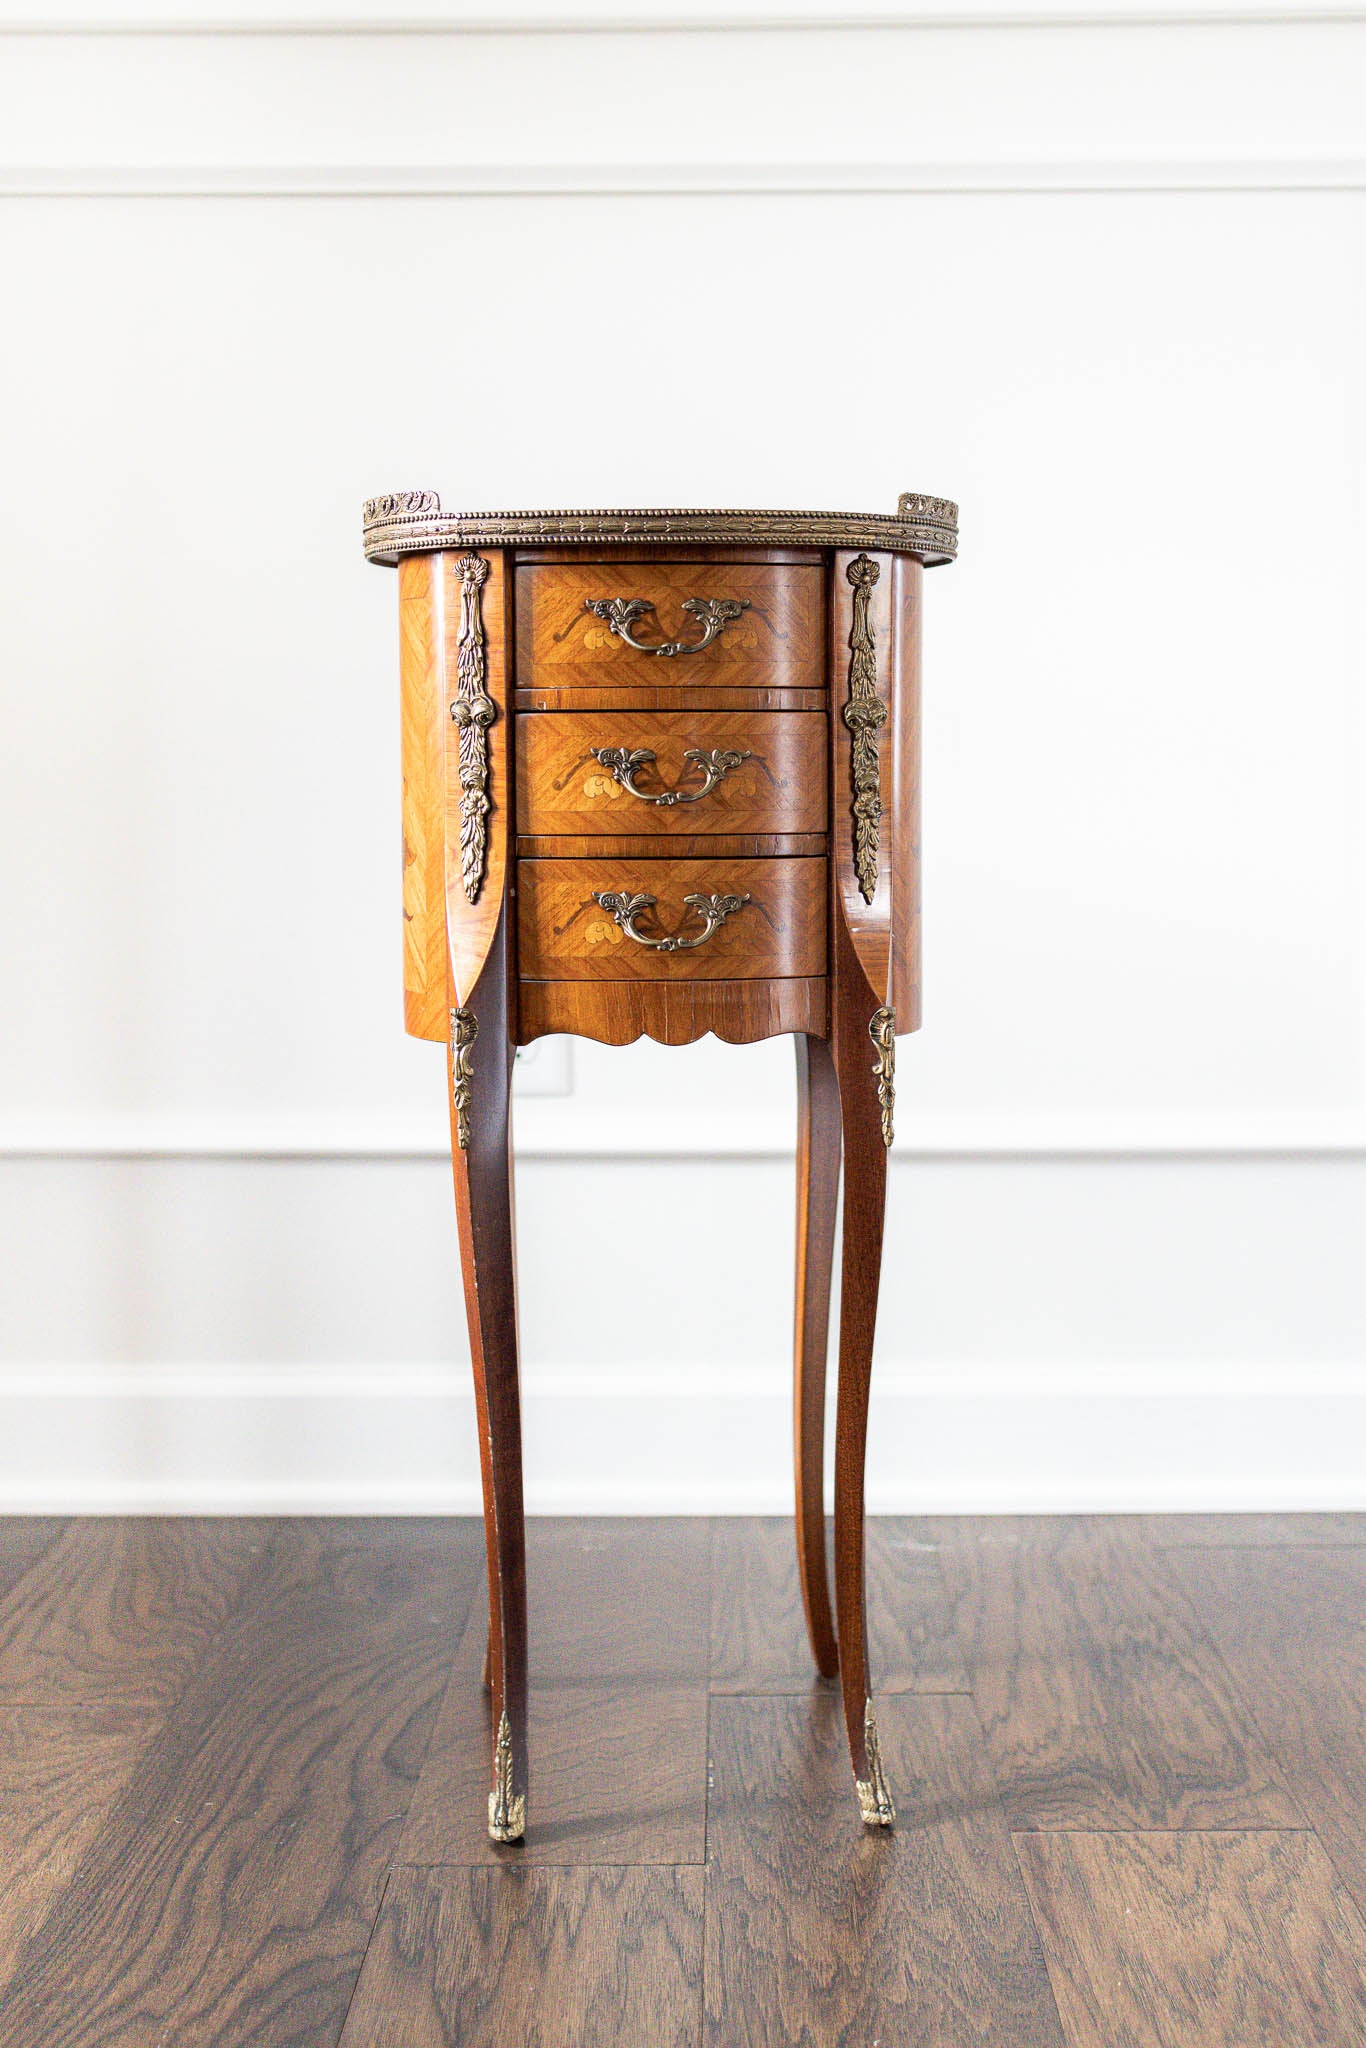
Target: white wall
(1102, 279)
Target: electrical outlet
(545, 1067)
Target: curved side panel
(875, 772)
(424, 893)
(471, 633)
(903, 747)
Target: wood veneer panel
(641, 846)
(564, 934)
(228, 1898)
(775, 643)
(869, 924)
(647, 697)
(61, 1770)
(817, 1932)
(117, 1612)
(618, 1012)
(529, 1958)
(758, 1635)
(421, 721)
(902, 781)
(1290, 1625)
(1226, 1940)
(1102, 1703)
(562, 786)
(471, 927)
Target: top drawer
(741, 624)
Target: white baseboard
(946, 1439)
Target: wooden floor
(244, 1767)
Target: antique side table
(661, 777)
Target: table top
(413, 523)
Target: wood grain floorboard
(618, 1597)
(587, 1958)
(1230, 1940)
(618, 1753)
(758, 1631)
(117, 1612)
(821, 1933)
(228, 1898)
(61, 1770)
(1236, 1532)
(24, 1540)
(618, 1775)
(1291, 1626)
(1103, 1704)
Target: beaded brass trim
(507, 1809)
(412, 523)
(874, 1794)
(865, 714)
(882, 1031)
(464, 1031)
(474, 712)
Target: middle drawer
(585, 773)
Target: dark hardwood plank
(758, 1635)
(1102, 1703)
(61, 1770)
(618, 1708)
(24, 1541)
(618, 1775)
(822, 1934)
(1291, 1627)
(531, 1958)
(1226, 1532)
(1230, 1940)
(116, 1612)
(228, 1898)
(618, 1597)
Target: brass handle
(713, 613)
(626, 908)
(624, 762)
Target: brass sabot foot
(507, 1809)
(874, 1794)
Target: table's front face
(678, 769)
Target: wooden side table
(661, 777)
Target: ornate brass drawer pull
(714, 614)
(625, 909)
(713, 765)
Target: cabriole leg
(481, 1056)
(818, 1181)
(863, 1063)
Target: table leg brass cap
(874, 1794)
(507, 1824)
(507, 1809)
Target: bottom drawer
(751, 919)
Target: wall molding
(685, 17)
(952, 1438)
(639, 17)
(570, 1130)
(1083, 172)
